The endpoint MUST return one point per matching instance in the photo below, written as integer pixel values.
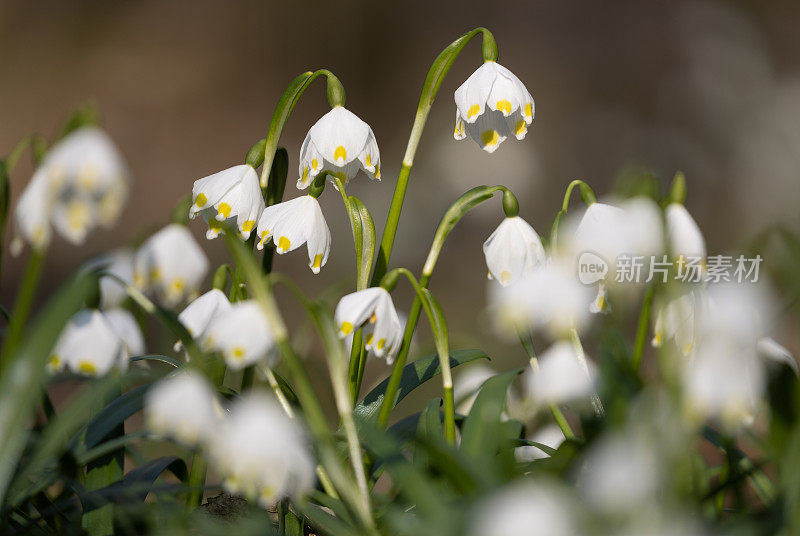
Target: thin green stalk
(641, 330)
(197, 482)
(563, 424)
(441, 65)
(22, 306)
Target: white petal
(489, 130)
(125, 326)
(32, 211)
(683, 233)
(355, 309)
(339, 135)
(471, 96)
(242, 335)
(199, 314)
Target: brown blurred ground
(710, 88)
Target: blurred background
(707, 87)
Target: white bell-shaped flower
(81, 183)
(170, 264)
(125, 326)
(341, 143)
(242, 335)
(231, 194)
(261, 453)
(529, 506)
(559, 376)
(293, 223)
(683, 234)
(676, 318)
(184, 407)
(374, 309)
(510, 107)
(550, 298)
(199, 314)
(88, 345)
(513, 250)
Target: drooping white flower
(341, 143)
(683, 234)
(549, 436)
(676, 318)
(242, 335)
(183, 407)
(293, 223)
(527, 507)
(231, 194)
(261, 453)
(550, 298)
(560, 376)
(199, 314)
(88, 345)
(510, 107)
(513, 250)
(125, 326)
(170, 264)
(81, 183)
(374, 309)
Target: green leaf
(482, 428)
(162, 358)
(325, 523)
(414, 375)
(519, 442)
(22, 379)
(429, 427)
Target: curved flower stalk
(373, 308)
(199, 314)
(242, 335)
(293, 223)
(183, 407)
(491, 105)
(170, 264)
(261, 453)
(513, 251)
(231, 194)
(125, 326)
(341, 143)
(88, 345)
(82, 183)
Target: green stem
(22, 306)
(441, 65)
(641, 330)
(197, 482)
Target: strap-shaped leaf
(481, 430)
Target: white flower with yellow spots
(261, 453)
(510, 107)
(81, 183)
(559, 376)
(88, 345)
(683, 234)
(676, 319)
(233, 193)
(242, 335)
(513, 250)
(183, 407)
(170, 264)
(125, 326)
(293, 223)
(372, 308)
(199, 314)
(341, 143)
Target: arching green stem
(287, 102)
(441, 65)
(588, 196)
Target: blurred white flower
(88, 345)
(81, 183)
(526, 507)
(341, 143)
(683, 235)
(550, 298)
(372, 308)
(466, 385)
(770, 349)
(621, 473)
(242, 335)
(550, 436)
(170, 264)
(293, 223)
(233, 193)
(513, 250)
(676, 318)
(560, 376)
(199, 314)
(184, 407)
(125, 326)
(261, 453)
(510, 106)
(118, 263)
